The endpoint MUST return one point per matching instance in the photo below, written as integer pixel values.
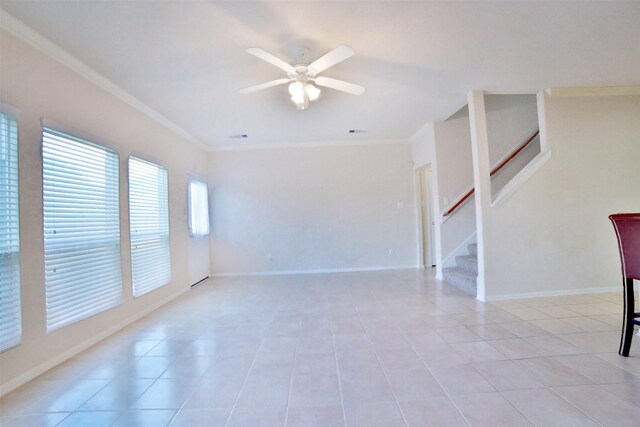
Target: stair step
(461, 279)
(473, 249)
(468, 262)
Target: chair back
(627, 228)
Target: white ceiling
(418, 60)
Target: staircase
(464, 276)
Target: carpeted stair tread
(461, 279)
(468, 262)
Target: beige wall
(40, 87)
(510, 121)
(455, 177)
(423, 146)
(312, 209)
(447, 146)
(553, 234)
(453, 149)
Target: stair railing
(466, 196)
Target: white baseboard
(450, 260)
(317, 271)
(558, 293)
(73, 351)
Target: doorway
(427, 217)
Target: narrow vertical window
(198, 209)
(149, 225)
(81, 228)
(10, 320)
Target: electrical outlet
(269, 257)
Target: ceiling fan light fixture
(301, 104)
(296, 89)
(299, 95)
(312, 91)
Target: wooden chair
(627, 228)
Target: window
(81, 228)
(149, 225)
(10, 321)
(198, 209)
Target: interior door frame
(424, 180)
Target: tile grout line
(384, 372)
(110, 381)
(244, 382)
(578, 409)
(549, 388)
(444, 390)
(335, 357)
(215, 358)
(293, 366)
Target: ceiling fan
(304, 79)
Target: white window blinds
(149, 225)
(81, 228)
(198, 209)
(10, 321)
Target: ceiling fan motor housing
(301, 73)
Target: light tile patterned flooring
(390, 348)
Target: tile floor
(391, 348)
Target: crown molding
(27, 34)
(339, 143)
(593, 91)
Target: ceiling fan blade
(330, 59)
(270, 58)
(264, 85)
(339, 85)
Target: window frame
(111, 211)
(168, 278)
(190, 207)
(14, 339)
